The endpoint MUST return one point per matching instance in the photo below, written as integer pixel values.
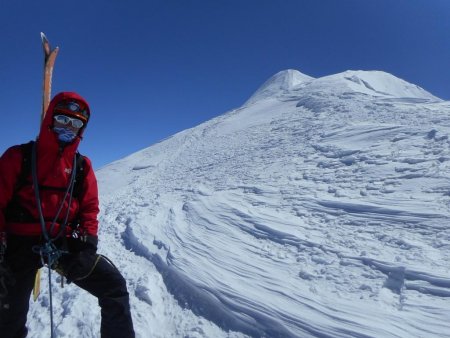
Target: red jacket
(54, 167)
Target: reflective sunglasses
(65, 120)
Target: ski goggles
(65, 120)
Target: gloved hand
(90, 243)
(83, 243)
(81, 259)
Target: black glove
(81, 260)
(90, 243)
(83, 243)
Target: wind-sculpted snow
(311, 214)
(206, 302)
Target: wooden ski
(49, 63)
(37, 285)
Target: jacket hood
(47, 137)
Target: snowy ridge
(311, 213)
(291, 84)
(374, 83)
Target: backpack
(14, 210)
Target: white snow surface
(280, 83)
(320, 210)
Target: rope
(5, 275)
(3, 293)
(3, 289)
(48, 250)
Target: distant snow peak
(377, 83)
(291, 83)
(286, 80)
(280, 83)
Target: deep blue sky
(152, 68)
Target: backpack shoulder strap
(80, 174)
(25, 170)
(14, 210)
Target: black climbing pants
(87, 270)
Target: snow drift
(320, 208)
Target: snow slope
(320, 208)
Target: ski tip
(47, 48)
(43, 37)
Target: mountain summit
(282, 82)
(289, 83)
(374, 83)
